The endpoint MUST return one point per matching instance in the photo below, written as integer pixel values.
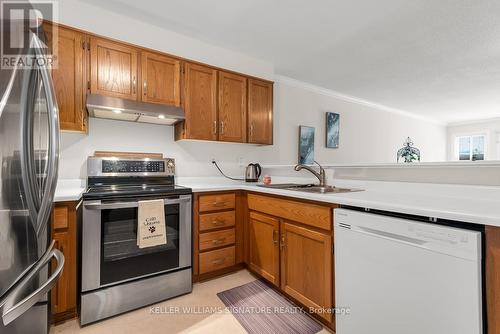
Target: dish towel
(151, 230)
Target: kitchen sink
(310, 188)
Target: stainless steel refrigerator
(29, 153)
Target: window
(471, 148)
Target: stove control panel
(111, 166)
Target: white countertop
(471, 204)
(69, 190)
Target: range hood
(100, 106)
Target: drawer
(217, 202)
(216, 239)
(217, 259)
(305, 213)
(210, 221)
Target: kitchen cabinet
(160, 79)
(301, 263)
(217, 234)
(199, 102)
(64, 232)
(263, 246)
(69, 76)
(113, 69)
(306, 266)
(260, 112)
(492, 239)
(232, 107)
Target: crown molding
(475, 121)
(351, 99)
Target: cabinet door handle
(219, 261)
(134, 83)
(145, 85)
(275, 237)
(215, 127)
(251, 130)
(282, 245)
(219, 204)
(222, 127)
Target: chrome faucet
(321, 175)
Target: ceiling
(438, 59)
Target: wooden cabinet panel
(217, 239)
(200, 103)
(113, 69)
(263, 246)
(217, 202)
(260, 112)
(69, 75)
(160, 79)
(64, 294)
(211, 221)
(305, 213)
(493, 279)
(232, 107)
(306, 267)
(217, 259)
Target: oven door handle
(98, 205)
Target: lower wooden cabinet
(306, 267)
(290, 244)
(63, 302)
(263, 245)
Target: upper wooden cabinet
(232, 107)
(263, 246)
(69, 75)
(200, 103)
(113, 69)
(160, 79)
(260, 112)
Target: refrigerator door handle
(53, 148)
(12, 312)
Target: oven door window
(122, 259)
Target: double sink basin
(310, 188)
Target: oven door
(110, 254)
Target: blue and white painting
(306, 145)
(332, 129)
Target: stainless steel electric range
(117, 275)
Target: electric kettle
(252, 173)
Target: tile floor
(144, 322)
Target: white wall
(366, 135)
(490, 128)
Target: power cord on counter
(229, 177)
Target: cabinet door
(63, 295)
(260, 112)
(70, 77)
(263, 246)
(160, 79)
(232, 107)
(113, 69)
(200, 104)
(306, 266)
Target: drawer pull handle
(219, 204)
(218, 223)
(219, 261)
(218, 241)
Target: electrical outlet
(240, 162)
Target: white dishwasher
(401, 276)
